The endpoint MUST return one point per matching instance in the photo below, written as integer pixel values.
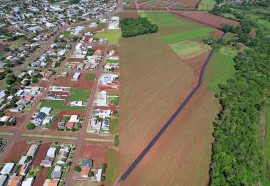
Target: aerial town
(134, 92)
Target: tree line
(138, 26)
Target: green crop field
(112, 162)
(187, 35)
(58, 105)
(189, 49)
(112, 35)
(78, 94)
(206, 4)
(220, 69)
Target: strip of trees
(139, 26)
(237, 157)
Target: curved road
(168, 123)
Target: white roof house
(22, 160)
(46, 110)
(98, 175)
(51, 152)
(76, 76)
(102, 99)
(7, 168)
(73, 118)
(28, 182)
(32, 150)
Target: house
(28, 182)
(76, 76)
(22, 160)
(74, 118)
(7, 168)
(24, 169)
(61, 124)
(46, 121)
(56, 173)
(102, 99)
(49, 182)
(70, 125)
(47, 162)
(28, 97)
(77, 103)
(32, 150)
(64, 152)
(85, 171)
(87, 163)
(98, 175)
(2, 94)
(3, 180)
(15, 181)
(46, 110)
(38, 120)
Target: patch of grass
(114, 125)
(187, 35)
(228, 36)
(113, 36)
(2, 133)
(112, 168)
(17, 44)
(220, 69)
(49, 136)
(188, 49)
(264, 22)
(206, 4)
(114, 100)
(77, 94)
(66, 33)
(112, 61)
(90, 77)
(58, 105)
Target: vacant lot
(94, 152)
(18, 150)
(129, 14)
(153, 84)
(77, 94)
(112, 35)
(183, 153)
(41, 153)
(189, 49)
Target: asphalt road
(167, 124)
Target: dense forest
(139, 26)
(238, 157)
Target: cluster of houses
(70, 123)
(114, 23)
(112, 61)
(52, 57)
(100, 121)
(43, 117)
(109, 80)
(26, 95)
(57, 93)
(16, 174)
(87, 167)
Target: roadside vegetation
(238, 157)
(138, 26)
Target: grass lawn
(58, 105)
(77, 94)
(90, 77)
(112, 61)
(187, 35)
(114, 100)
(189, 49)
(112, 35)
(17, 44)
(220, 69)
(229, 36)
(112, 169)
(66, 33)
(114, 125)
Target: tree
(30, 126)
(77, 168)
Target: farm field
(168, 4)
(130, 14)
(144, 112)
(206, 18)
(191, 134)
(112, 35)
(206, 4)
(220, 68)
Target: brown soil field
(40, 179)
(130, 14)
(41, 153)
(82, 83)
(152, 85)
(183, 153)
(94, 152)
(65, 112)
(16, 151)
(171, 4)
(206, 18)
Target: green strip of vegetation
(114, 125)
(112, 166)
(2, 133)
(49, 136)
